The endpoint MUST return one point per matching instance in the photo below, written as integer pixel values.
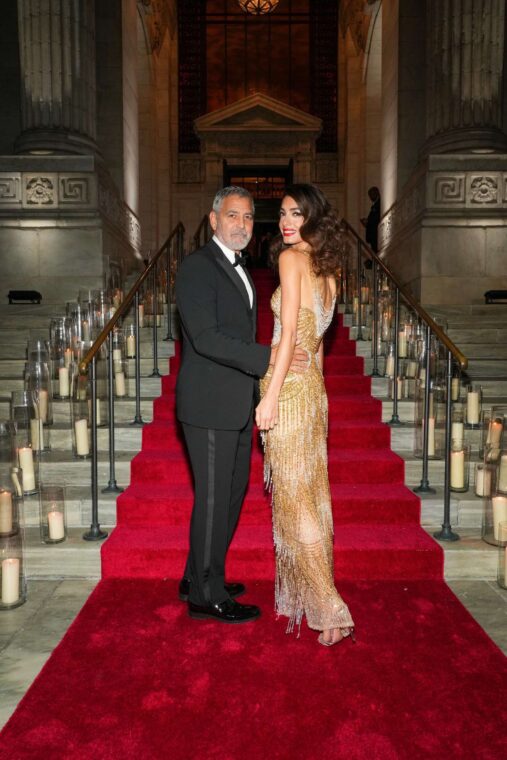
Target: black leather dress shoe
(233, 589)
(229, 611)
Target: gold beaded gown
(295, 468)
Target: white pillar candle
(37, 435)
(390, 366)
(55, 525)
(457, 469)
(401, 387)
(131, 346)
(43, 405)
(482, 481)
(63, 382)
(116, 354)
(86, 330)
(402, 344)
(457, 433)
(499, 504)
(502, 473)
(455, 388)
(81, 432)
(473, 407)
(25, 456)
(431, 437)
(495, 429)
(67, 357)
(119, 384)
(5, 512)
(97, 411)
(140, 311)
(422, 376)
(10, 580)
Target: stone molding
(29, 193)
(448, 193)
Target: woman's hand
(266, 414)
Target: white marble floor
(29, 633)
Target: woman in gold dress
(292, 416)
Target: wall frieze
(37, 193)
(441, 193)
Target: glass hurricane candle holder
(12, 573)
(38, 385)
(493, 421)
(484, 479)
(120, 379)
(130, 341)
(389, 368)
(11, 496)
(502, 555)
(81, 416)
(53, 525)
(459, 466)
(436, 422)
(473, 406)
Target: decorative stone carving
(10, 189)
(483, 190)
(449, 189)
(40, 191)
(156, 17)
(189, 169)
(354, 18)
(74, 190)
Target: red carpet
(135, 678)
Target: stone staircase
(469, 558)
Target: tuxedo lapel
(227, 267)
(254, 302)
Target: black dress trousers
(220, 461)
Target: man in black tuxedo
(220, 366)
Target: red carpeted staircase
(136, 678)
(378, 535)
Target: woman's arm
(266, 414)
(321, 356)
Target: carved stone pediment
(257, 113)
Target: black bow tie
(241, 259)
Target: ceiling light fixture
(258, 7)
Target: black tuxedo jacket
(220, 360)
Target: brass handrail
(127, 301)
(436, 329)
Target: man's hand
(300, 359)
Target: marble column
(465, 75)
(58, 91)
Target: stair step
(360, 552)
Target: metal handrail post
(155, 372)
(112, 486)
(424, 486)
(359, 333)
(138, 420)
(95, 533)
(169, 335)
(447, 534)
(395, 419)
(375, 372)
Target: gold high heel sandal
(351, 634)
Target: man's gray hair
(226, 192)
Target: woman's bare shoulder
(294, 255)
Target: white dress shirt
(231, 255)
